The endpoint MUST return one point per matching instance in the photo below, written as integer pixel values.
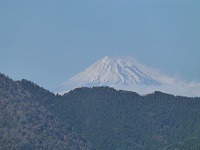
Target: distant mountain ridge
(117, 72)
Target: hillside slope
(113, 119)
(108, 118)
(26, 125)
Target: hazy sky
(48, 42)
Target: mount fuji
(123, 73)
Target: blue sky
(48, 42)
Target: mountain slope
(26, 125)
(113, 119)
(118, 72)
(33, 118)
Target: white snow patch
(125, 73)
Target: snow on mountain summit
(125, 73)
(116, 72)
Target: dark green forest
(99, 117)
(27, 125)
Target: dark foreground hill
(113, 119)
(109, 119)
(27, 125)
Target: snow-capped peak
(111, 71)
(125, 73)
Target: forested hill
(123, 120)
(32, 117)
(27, 125)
